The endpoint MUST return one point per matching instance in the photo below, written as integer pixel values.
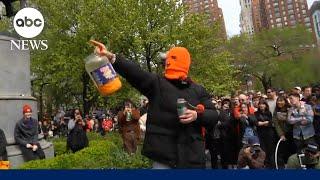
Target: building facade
(246, 17)
(266, 14)
(281, 13)
(315, 19)
(209, 7)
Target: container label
(104, 74)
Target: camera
(254, 150)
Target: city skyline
(231, 12)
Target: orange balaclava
(178, 62)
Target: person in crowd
(96, 127)
(142, 125)
(272, 98)
(3, 146)
(107, 123)
(255, 102)
(258, 94)
(247, 124)
(251, 155)
(308, 159)
(144, 105)
(297, 90)
(72, 121)
(266, 132)
(241, 116)
(284, 131)
(306, 94)
(26, 136)
(129, 126)
(63, 130)
(316, 91)
(77, 138)
(172, 140)
(316, 120)
(220, 142)
(89, 125)
(243, 99)
(300, 115)
(45, 129)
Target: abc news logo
(28, 23)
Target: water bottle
(102, 74)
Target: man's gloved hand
(101, 50)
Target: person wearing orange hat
(26, 135)
(172, 140)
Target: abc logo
(28, 22)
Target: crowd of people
(74, 125)
(253, 131)
(284, 124)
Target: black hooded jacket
(26, 132)
(167, 140)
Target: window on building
(290, 12)
(278, 20)
(307, 19)
(286, 23)
(285, 18)
(277, 15)
(276, 10)
(272, 26)
(304, 11)
(279, 25)
(293, 22)
(290, 6)
(292, 17)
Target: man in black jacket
(26, 135)
(171, 141)
(3, 145)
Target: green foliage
(103, 153)
(211, 65)
(137, 29)
(300, 72)
(259, 55)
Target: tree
(136, 28)
(259, 54)
(300, 72)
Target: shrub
(103, 153)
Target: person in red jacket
(107, 124)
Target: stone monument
(15, 91)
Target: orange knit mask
(177, 63)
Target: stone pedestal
(15, 91)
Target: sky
(231, 12)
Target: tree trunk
(85, 85)
(266, 82)
(148, 56)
